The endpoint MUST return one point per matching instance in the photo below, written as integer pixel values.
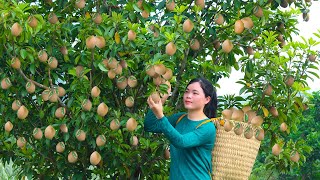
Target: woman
(192, 137)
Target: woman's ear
(208, 99)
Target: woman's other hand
(156, 107)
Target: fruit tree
(75, 76)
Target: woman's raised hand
(156, 107)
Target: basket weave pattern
(233, 155)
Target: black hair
(210, 109)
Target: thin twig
(34, 82)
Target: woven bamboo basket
(233, 155)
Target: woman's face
(194, 97)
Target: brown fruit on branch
(170, 4)
(283, 127)
(102, 109)
(312, 58)
(295, 156)
(114, 124)
(22, 112)
(5, 83)
(145, 14)
(100, 42)
(157, 80)
(227, 113)
(15, 63)
(49, 132)
(187, 26)
(131, 124)
(112, 63)
(155, 96)
(60, 147)
(118, 69)
(132, 81)
(258, 11)
(95, 158)
(168, 75)
(86, 105)
(72, 157)
(131, 35)
(45, 94)
(219, 19)
(111, 74)
(61, 91)
(257, 121)
(101, 140)
(53, 62)
(250, 50)
(139, 3)
(95, 91)
(8, 126)
(171, 48)
(251, 114)
(195, 44)
(276, 149)
(37, 133)
(247, 22)
(63, 128)
(246, 108)
(166, 154)
(160, 69)
(238, 129)
(79, 71)
(227, 46)
(259, 135)
(134, 141)
(81, 135)
(200, 3)
(16, 29)
(21, 142)
(124, 64)
(150, 70)
(248, 133)
(52, 17)
(53, 95)
(274, 111)
(16, 104)
(33, 21)
(64, 50)
(129, 101)
(289, 81)
(60, 112)
(91, 42)
(227, 125)
(237, 115)
(30, 87)
(216, 44)
(97, 18)
(122, 82)
(80, 4)
(238, 27)
(268, 90)
(42, 56)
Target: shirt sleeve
(199, 136)
(152, 124)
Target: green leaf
(23, 53)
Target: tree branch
(34, 82)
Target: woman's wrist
(159, 116)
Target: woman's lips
(187, 102)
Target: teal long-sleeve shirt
(190, 147)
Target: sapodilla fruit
(5, 83)
(268, 90)
(100, 42)
(160, 69)
(246, 108)
(195, 44)
(8, 126)
(63, 128)
(131, 35)
(289, 81)
(227, 113)
(155, 96)
(53, 95)
(21, 142)
(72, 157)
(30, 87)
(237, 115)
(42, 56)
(238, 129)
(60, 112)
(114, 124)
(132, 81)
(168, 75)
(276, 149)
(274, 112)
(312, 58)
(97, 18)
(259, 135)
(238, 27)
(112, 63)
(227, 46)
(61, 91)
(131, 124)
(134, 141)
(53, 62)
(257, 11)
(187, 26)
(45, 94)
(200, 3)
(248, 133)
(122, 82)
(101, 140)
(32, 21)
(166, 154)
(171, 48)
(86, 105)
(124, 64)
(150, 70)
(15, 63)
(16, 29)
(129, 102)
(257, 121)
(139, 3)
(80, 4)
(95, 158)
(219, 19)
(81, 135)
(22, 112)
(16, 104)
(95, 91)
(60, 147)
(216, 44)
(247, 22)
(295, 156)
(52, 17)
(227, 125)
(102, 109)
(170, 4)
(283, 127)
(49, 132)
(37, 133)
(157, 80)
(91, 42)
(111, 74)
(64, 50)
(145, 14)
(251, 114)
(249, 50)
